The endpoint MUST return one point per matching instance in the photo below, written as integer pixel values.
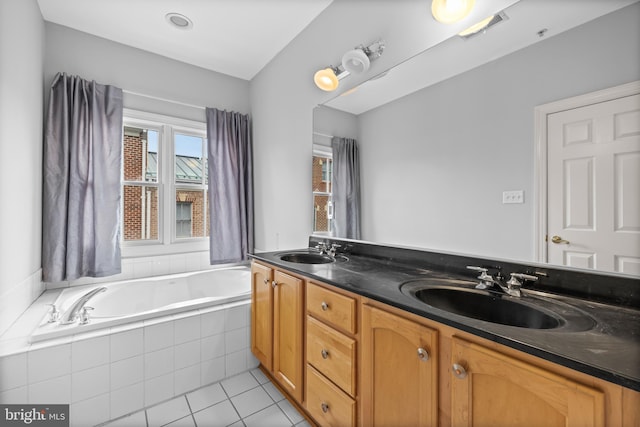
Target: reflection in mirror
(321, 182)
(441, 161)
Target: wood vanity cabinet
(331, 355)
(472, 381)
(491, 389)
(277, 325)
(365, 363)
(399, 371)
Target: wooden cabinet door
(399, 371)
(262, 314)
(288, 328)
(497, 390)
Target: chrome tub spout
(73, 313)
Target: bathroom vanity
(353, 340)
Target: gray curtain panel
(230, 186)
(81, 180)
(346, 188)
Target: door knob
(558, 240)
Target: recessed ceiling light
(178, 20)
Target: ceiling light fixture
(451, 11)
(482, 26)
(178, 20)
(355, 61)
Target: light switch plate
(513, 196)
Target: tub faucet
(74, 312)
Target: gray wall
(331, 122)
(21, 49)
(435, 163)
(283, 97)
(135, 70)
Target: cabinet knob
(459, 371)
(274, 284)
(423, 355)
(324, 306)
(324, 407)
(324, 353)
(266, 281)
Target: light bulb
(326, 79)
(450, 11)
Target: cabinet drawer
(333, 354)
(332, 307)
(327, 404)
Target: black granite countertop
(610, 350)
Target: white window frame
(167, 243)
(321, 150)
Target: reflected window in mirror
(322, 188)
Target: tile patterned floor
(245, 400)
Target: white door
(593, 186)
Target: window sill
(143, 249)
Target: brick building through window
(141, 189)
(322, 188)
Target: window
(165, 201)
(322, 187)
(183, 219)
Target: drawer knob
(423, 355)
(324, 407)
(324, 353)
(459, 371)
(324, 306)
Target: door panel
(594, 186)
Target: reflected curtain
(346, 188)
(230, 186)
(81, 180)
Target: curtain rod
(323, 134)
(163, 99)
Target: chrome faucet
(512, 287)
(76, 311)
(333, 249)
(322, 247)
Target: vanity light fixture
(451, 11)
(327, 79)
(179, 21)
(355, 61)
(482, 26)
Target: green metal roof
(187, 169)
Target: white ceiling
(239, 37)
(234, 37)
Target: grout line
(190, 410)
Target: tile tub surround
(118, 371)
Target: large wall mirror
(448, 152)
